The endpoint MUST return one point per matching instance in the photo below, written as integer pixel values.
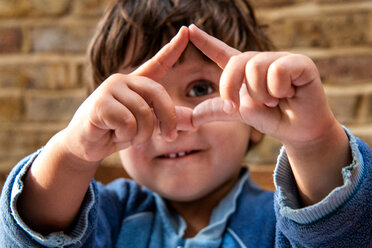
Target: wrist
(331, 136)
(54, 187)
(59, 146)
(317, 164)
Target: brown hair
(151, 23)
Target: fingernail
(272, 103)
(228, 106)
(172, 135)
(292, 93)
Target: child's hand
(124, 109)
(279, 94)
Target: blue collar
(174, 224)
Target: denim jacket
(124, 214)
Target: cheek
(229, 140)
(132, 161)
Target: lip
(179, 154)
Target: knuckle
(99, 106)
(104, 91)
(235, 59)
(144, 135)
(109, 83)
(129, 133)
(163, 65)
(172, 118)
(144, 110)
(257, 94)
(277, 69)
(306, 59)
(116, 79)
(116, 76)
(224, 88)
(130, 122)
(222, 56)
(158, 88)
(168, 121)
(288, 53)
(254, 65)
(160, 91)
(130, 128)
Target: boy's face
(198, 162)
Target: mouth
(177, 154)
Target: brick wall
(42, 46)
(42, 56)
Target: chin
(185, 196)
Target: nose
(184, 121)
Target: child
(182, 124)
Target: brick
(326, 31)
(345, 107)
(2, 179)
(337, 1)
(266, 152)
(13, 77)
(370, 27)
(10, 40)
(366, 138)
(344, 69)
(106, 174)
(61, 39)
(320, 30)
(363, 132)
(263, 176)
(17, 141)
(363, 110)
(57, 77)
(11, 105)
(78, 77)
(90, 7)
(369, 114)
(52, 106)
(276, 3)
(280, 32)
(14, 8)
(17, 8)
(39, 76)
(112, 161)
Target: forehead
(190, 56)
(192, 52)
(192, 66)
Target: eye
(201, 88)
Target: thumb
(184, 119)
(212, 110)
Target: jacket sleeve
(341, 219)
(15, 233)
(97, 224)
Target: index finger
(156, 67)
(213, 48)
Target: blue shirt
(124, 214)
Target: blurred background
(42, 57)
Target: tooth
(181, 154)
(172, 155)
